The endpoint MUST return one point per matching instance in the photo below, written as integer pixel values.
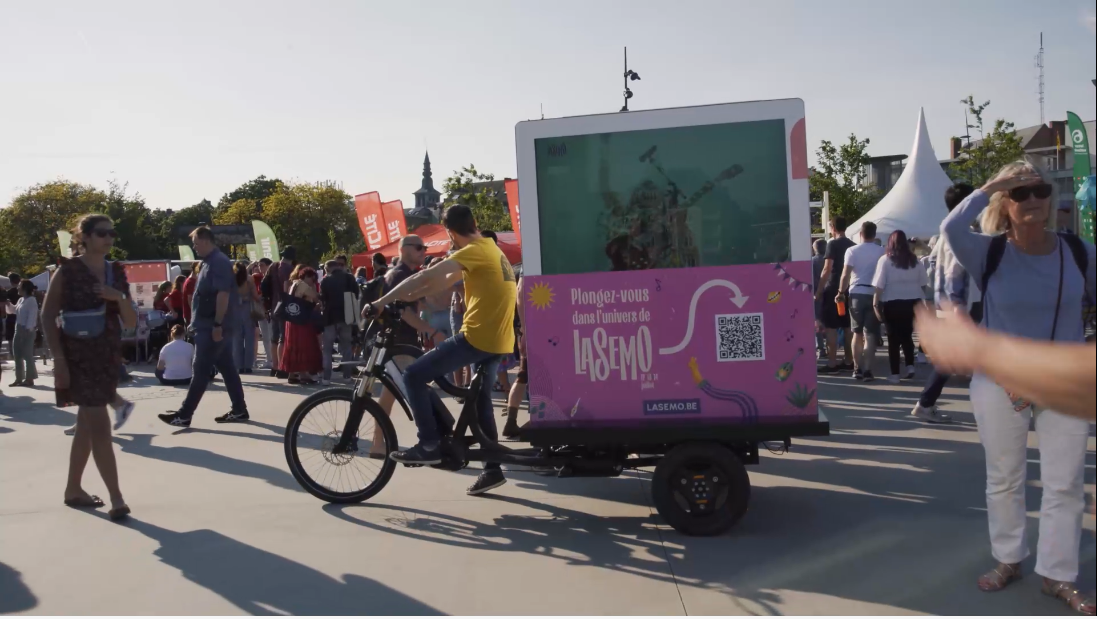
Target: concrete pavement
(886, 516)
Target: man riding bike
(486, 334)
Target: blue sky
(186, 101)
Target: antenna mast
(1040, 68)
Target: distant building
(428, 201)
(883, 172)
(1049, 146)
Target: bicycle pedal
(412, 466)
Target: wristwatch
(216, 324)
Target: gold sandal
(1065, 591)
(1000, 577)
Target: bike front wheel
(353, 474)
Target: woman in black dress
(86, 369)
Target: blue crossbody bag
(88, 324)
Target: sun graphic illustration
(541, 296)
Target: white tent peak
(916, 204)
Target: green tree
(257, 190)
(480, 192)
(843, 172)
(317, 220)
(981, 160)
(30, 224)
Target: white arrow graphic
(739, 300)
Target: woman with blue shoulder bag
(85, 310)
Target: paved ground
(886, 516)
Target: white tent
(916, 204)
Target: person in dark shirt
(214, 322)
(280, 272)
(12, 296)
(333, 297)
(834, 261)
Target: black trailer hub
(700, 491)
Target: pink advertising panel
(726, 344)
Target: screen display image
(705, 195)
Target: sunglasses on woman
(1020, 194)
(99, 232)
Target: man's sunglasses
(417, 247)
(105, 233)
(1020, 194)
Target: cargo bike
(667, 305)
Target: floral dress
(93, 363)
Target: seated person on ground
(174, 368)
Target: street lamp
(629, 75)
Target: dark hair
(490, 235)
(202, 232)
(289, 252)
(839, 223)
(178, 283)
(306, 273)
(820, 246)
(379, 258)
(266, 261)
(26, 286)
(899, 251)
(178, 332)
(868, 231)
(14, 278)
(240, 270)
(459, 219)
(342, 259)
(361, 272)
(956, 194)
(86, 224)
(329, 265)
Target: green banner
(1079, 144)
(186, 253)
(64, 239)
(264, 240)
(253, 252)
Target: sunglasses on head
(105, 233)
(1020, 194)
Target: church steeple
(427, 196)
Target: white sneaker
(911, 372)
(893, 379)
(930, 414)
(920, 359)
(122, 414)
(325, 382)
(71, 430)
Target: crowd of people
(999, 296)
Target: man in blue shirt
(212, 323)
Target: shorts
(440, 322)
(278, 331)
(830, 317)
(861, 315)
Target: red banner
(395, 226)
(370, 218)
(144, 279)
(511, 186)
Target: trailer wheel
(701, 489)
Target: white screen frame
(525, 133)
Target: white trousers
(265, 333)
(1062, 443)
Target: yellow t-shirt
(490, 296)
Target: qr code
(739, 337)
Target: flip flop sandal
(85, 502)
(1065, 591)
(999, 578)
(119, 513)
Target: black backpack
(997, 249)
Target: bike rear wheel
(315, 428)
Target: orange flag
(370, 218)
(511, 187)
(395, 226)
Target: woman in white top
(26, 327)
(175, 367)
(900, 281)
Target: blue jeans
(243, 341)
(207, 355)
(446, 358)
